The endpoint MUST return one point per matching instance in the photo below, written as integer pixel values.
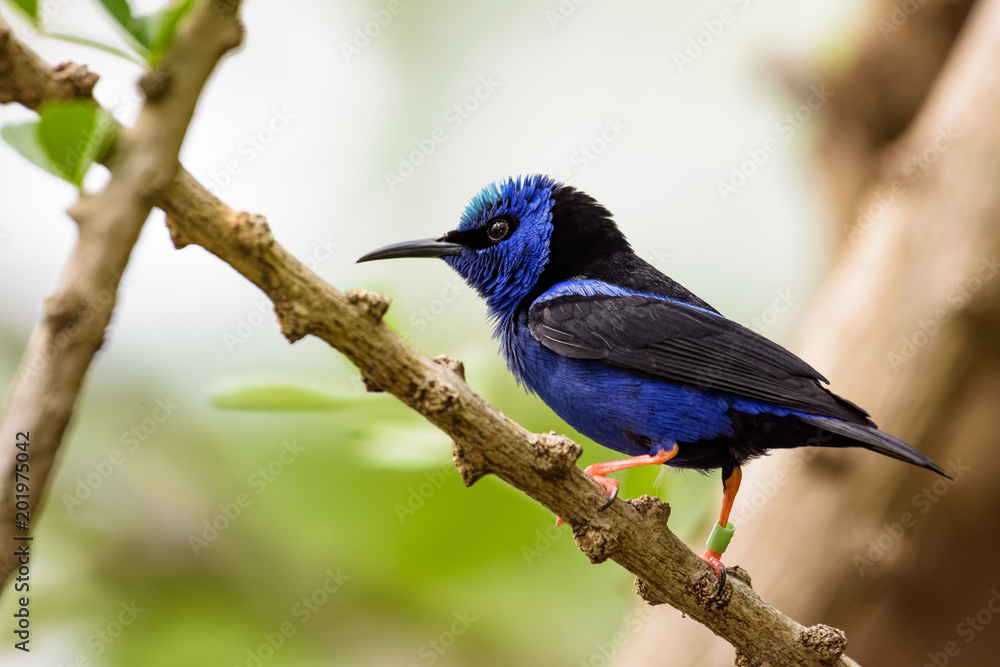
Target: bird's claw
(610, 484)
(714, 560)
(611, 499)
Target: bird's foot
(598, 475)
(598, 471)
(714, 559)
(608, 483)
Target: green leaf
(160, 28)
(120, 12)
(279, 398)
(67, 138)
(73, 137)
(94, 44)
(107, 129)
(30, 9)
(23, 137)
(151, 35)
(133, 29)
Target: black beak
(422, 248)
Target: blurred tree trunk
(879, 94)
(907, 324)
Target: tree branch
(633, 533)
(142, 165)
(29, 80)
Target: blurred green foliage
(216, 525)
(149, 35)
(65, 140)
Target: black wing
(675, 342)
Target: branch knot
(81, 79)
(653, 508)
(649, 593)
(704, 587)
(469, 462)
(433, 396)
(597, 542)
(553, 454)
(372, 303)
(155, 85)
(828, 643)
(250, 231)
(452, 364)
(294, 319)
(64, 311)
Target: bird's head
(515, 231)
(501, 245)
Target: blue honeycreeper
(627, 356)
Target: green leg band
(719, 539)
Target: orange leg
(599, 470)
(730, 487)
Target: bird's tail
(871, 438)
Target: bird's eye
(498, 229)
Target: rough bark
(632, 533)
(907, 324)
